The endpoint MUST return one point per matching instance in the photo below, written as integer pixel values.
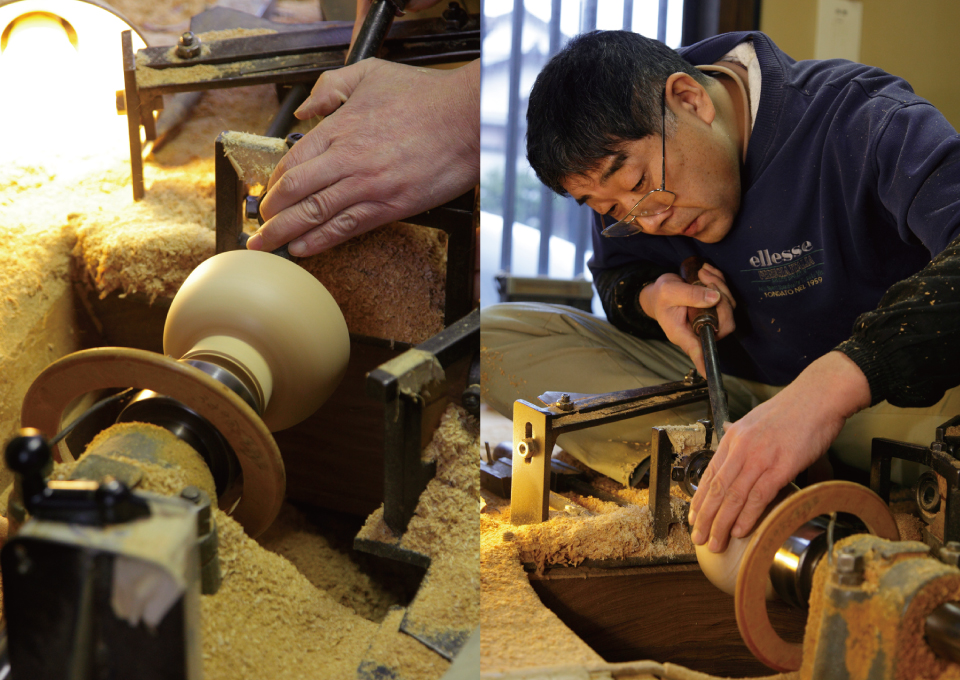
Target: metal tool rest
(536, 428)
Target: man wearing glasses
(826, 198)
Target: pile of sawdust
(294, 537)
(152, 245)
(270, 617)
(516, 630)
(34, 285)
(445, 528)
(615, 533)
(610, 532)
(269, 620)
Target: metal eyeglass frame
(628, 225)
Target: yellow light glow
(60, 67)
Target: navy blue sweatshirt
(851, 184)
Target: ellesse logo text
(764, 258)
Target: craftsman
(397, 140)
(819, 191)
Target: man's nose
(651, 224)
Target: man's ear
(684, 94)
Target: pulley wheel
(795, 511)
(264, 479)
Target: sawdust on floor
(294, 537)
(445, 527)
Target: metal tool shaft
(706, 325)
(711, 362)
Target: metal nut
(455, 16)
(950, 553)
(202, 501)
(527, 448)
(849, 567)
(564, 403)
(189, 46)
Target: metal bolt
(251, 207)
(293, 138)
(564, 404)
(201, 500)
(455, 16)
(950, 553)
(189, 46)
(527, 448)
(23, 560)
(191, 493)
(928, 492)
(849, 567)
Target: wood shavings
(36, 310)
(508, 601)
(152, 77)
(614, 533)
(516, 630)
(295, 538)
(909, 525)
(177, 465)
(395, 655)
(389, 283)
(444, 527)
(151, 246)
(268, 620)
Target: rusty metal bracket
(536, 428)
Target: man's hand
(763, 451)
(669, 299)
(396, 140)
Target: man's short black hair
(602, 89)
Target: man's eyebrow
(618, 161)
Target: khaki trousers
(531, 348)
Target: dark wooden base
(662, 613)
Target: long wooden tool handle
(690, 272)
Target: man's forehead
(580, 185)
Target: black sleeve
(619, 291)
(909, 346)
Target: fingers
(333, 88)
(294, 180)
(342, 227)
(326, 208)
(712, 277)
(724, 488)
(697, 296)
(764, 491)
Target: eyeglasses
(653, 202)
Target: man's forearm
(907, 347)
